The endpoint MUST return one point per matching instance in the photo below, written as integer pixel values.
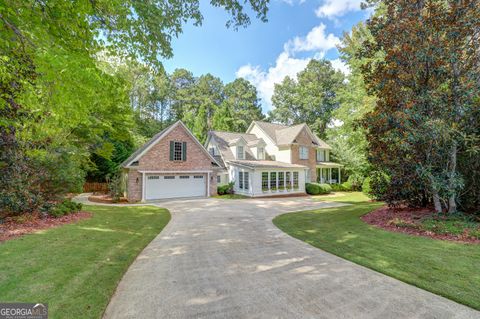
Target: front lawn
(75, 268)
(442, 267)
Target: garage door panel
(171, 186)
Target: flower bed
(424, 222)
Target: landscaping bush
(64, 208)
(355, 181)
(347, 187)
(325, 188)
(317, 189)
(312, 188)
(337, 187)
(225, 189)
(366, 189)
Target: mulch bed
(105, 199)
(12, 228)
(383, 216)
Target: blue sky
(264, 53)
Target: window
(281, 180)
(295, 180)
(219, 179)
(153, 177)
(184, 177)
(303, 152)
(265, 181)
(240, 180)
(178, 151)
(246, 181)
(260, 153)
(240, 154)
(198, 176)
(211, 150)
(288, 180)
(168, 177)
(273, 181)
(327, 155)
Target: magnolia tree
(423, 130)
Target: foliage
(354, 182)
(64, 207)
(346, 137)
(426, 115)
(317, 189)
(64, 100)
(366, 188)
(310, 99)
(116, 185)
(101, 247)
(225, 189)
(378, 185)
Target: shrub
(325, 188)
(116, 186)
(356, 181)
(64, 208)
(366, 189)
(347, 186)
(376, 185)
(316, 189)
(225, 189)
(337, 187)
(312, 188)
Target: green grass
(344, 197)
(445, 268)
(231, 196)
(75, 268)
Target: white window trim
(240, 152)
(175, 152)
(301, 153)
(261, 151)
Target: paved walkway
(225, 259)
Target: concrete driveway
(225, 259)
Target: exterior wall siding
(157, 158)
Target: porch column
(339, 176)
(330, 175)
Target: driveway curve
(225, 259)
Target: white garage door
(171, 186)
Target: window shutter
(184, 151)
(171, 150)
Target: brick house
(172, 164)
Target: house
(272, 159)
(171, 164)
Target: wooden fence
(95, 187)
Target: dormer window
(260, 153)
(240, 153)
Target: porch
(329, 173)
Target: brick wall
(158, 159)
(303, 139)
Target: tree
(310, 99)
(347, 137)
(242, 101)
(427, 88)
(57, 100)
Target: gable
(155, 154)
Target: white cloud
(339, 65)
(316, 41)
(264, 81)
(337, 8)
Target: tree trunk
(436, 202)
(452, 205)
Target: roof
(264, 164)
(285, 135)
(157, 137)
(223, 140)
